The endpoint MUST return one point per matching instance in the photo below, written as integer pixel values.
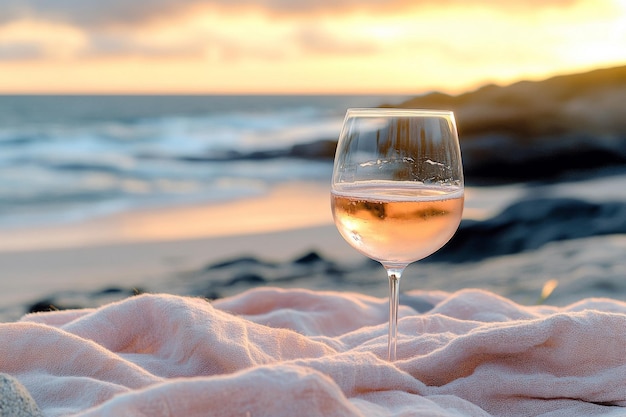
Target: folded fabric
(278, 352)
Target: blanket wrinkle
(216, 342)
(469, 305)
(249, 392)
(33, 346)
(551, 344)
(325, 312)
(361, 372)
(285, 352)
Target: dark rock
(112, 290)
(118, 291)
(309, 258)
(334, 270)
(321, 149)
(41, 305)
(317, 263)
(317, 149)
(539, 130)
(269, 154)
(243, 261)
(212, 295)
(48, 304)
(247, 278)
(530, 224)
(504, 162)
(607, 286)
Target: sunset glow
(306, 47)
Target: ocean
(65, 159)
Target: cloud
(23, 40)
(114, 45)
(21, 51)
(94, 13)
(117, 28)
(314, 39)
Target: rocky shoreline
(513, 253)
(528, 131)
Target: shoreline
(36, 274)
(147, 248)
(286, 207)
(261, 241)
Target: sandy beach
(223, 249)
(147, 248)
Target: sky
(300, 46)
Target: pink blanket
(273, 352)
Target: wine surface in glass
(397, 222)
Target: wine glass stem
(394, 275)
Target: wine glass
(397, 189)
